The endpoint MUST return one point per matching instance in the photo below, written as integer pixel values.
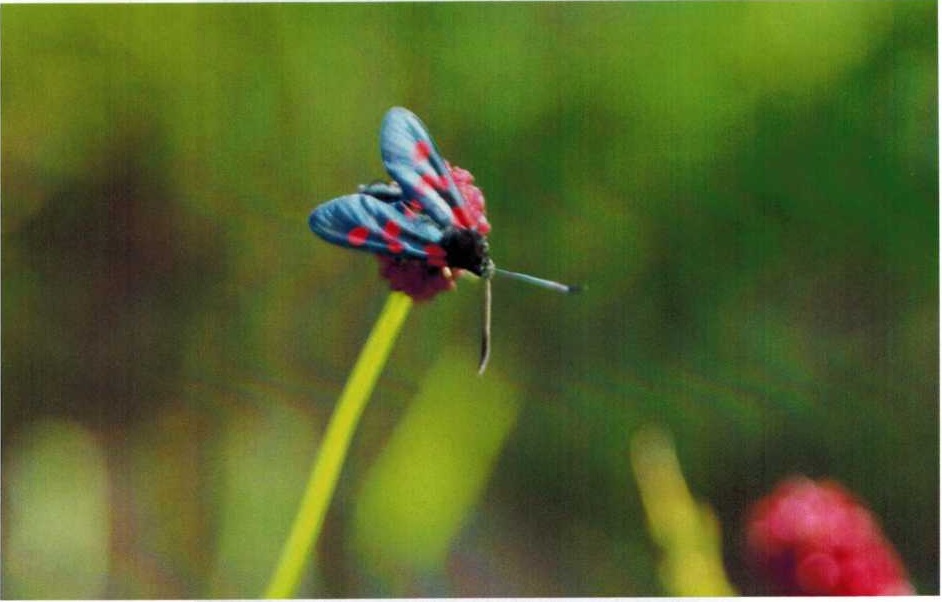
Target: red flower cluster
(473, 195)
(814, 538)
(420, 280)
(416, 278)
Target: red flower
(815, 539)
(417, 278)
(473, 195)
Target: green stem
(333, 449)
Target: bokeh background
(749, 190)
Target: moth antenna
(486, 332)
(542, 282)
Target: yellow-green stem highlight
(333, 449)
(686, 530)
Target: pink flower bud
(816, 539)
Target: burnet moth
(420, 216)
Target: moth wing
(413, 161)
(360, 221)
(386, 192)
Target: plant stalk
(333, 450)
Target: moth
(420, 216)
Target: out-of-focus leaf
(433, 469)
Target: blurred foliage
(409, 508)
(750, 191)
(686, 531)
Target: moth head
(467, 249)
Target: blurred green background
(749, 190)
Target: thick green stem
(333, 449)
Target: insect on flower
(421, 216)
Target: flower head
(415, 278)
(422, 280)
(815, 538)
(473, 195)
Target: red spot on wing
(392, 229)
(461, 216)
(412, 208)
(422, 150)
(357, 236)
(435, 181)
(423, 188)
(436, 255)
(391, 233)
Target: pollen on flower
(815, 539)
